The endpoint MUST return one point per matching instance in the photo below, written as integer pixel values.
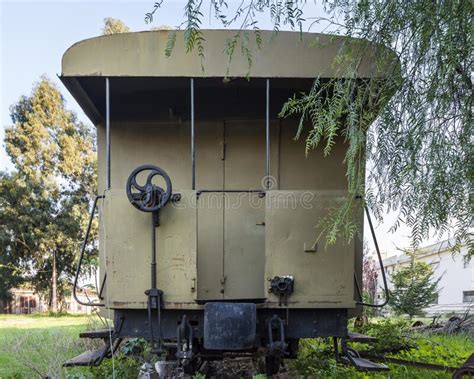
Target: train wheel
(272, 365)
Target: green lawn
(34, 345)
(316, 356)
(31, 345)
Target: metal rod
(193, 152)
(382, 269)
(81, 256)
(267, 136)
(153, 253)
(230, 191)
(428, 366)
(102, 286)
(107, 132)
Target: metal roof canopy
(132, 71)
(148, 85)
(282, 55)
(155, 99)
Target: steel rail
(403, 362)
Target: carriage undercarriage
(268, 353)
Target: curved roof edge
(286, 55)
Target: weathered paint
(128, 249)
(226, 246)
(207, 250)
(324, 278)
(290, 55)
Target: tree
(114, 26)
(414, 288)
(419, 149)
(44, 203)
(10, 274)
(162, 27)
(369, 279)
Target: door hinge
(223, 279)
(223, 151)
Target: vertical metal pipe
(153, 251)
(107, 133)
(267, 136)
(193, 152)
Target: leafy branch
(414, 128)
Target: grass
(316, 357)
(37, 345)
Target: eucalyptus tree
(44, 202)
(420, 147)
(114, 26)
(10, 273)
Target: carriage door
(244, 213)
(231, 231)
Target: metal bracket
(223, 280)
(155, 302)
(276, 347)
(184, 334)
(312, 249)
(175, 197)
(283, 287)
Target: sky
(35, 34)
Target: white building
(27, 301)
(456, 287)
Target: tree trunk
(54, 294)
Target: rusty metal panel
(210, 239)
(229, 326)
(324, 277)
(244, 246)
(127, 249)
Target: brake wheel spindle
(151, 198)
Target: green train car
(208, 204)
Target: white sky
(35, 34)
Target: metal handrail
(83, 249)
(382, 269)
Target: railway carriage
(207, 203)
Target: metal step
(362, 364)
(357, 337)
(100, 333)
(87, 358)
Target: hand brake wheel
(148, 197)
(151, 198)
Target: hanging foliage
(419, 147)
